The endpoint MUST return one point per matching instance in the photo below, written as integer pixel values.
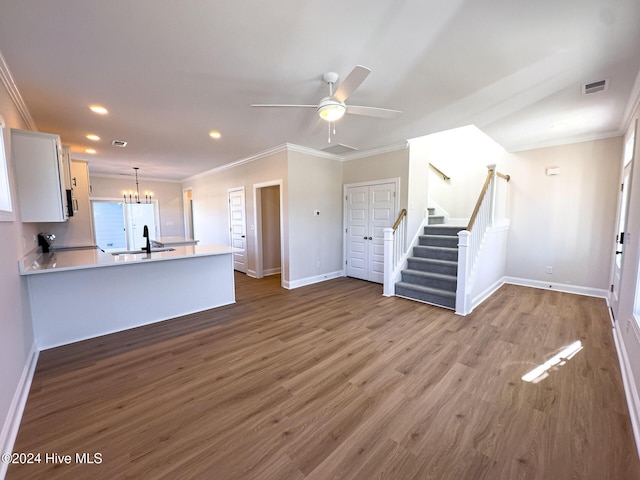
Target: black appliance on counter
(45, 240)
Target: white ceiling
(169, 72)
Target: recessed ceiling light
(92, 151)
(93, 137)
(99, 109)
(215, 134)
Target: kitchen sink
(138, 252)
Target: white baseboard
(311, 280)
(14, 416)
(252, 274)
(271, 271)
(630, 388)
(481, 297)
(560, 287)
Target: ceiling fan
(333, 107)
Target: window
(6, 209)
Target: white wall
(565, 221)
(315, 242)
(168, 194)
(462, 154)
(211, 208)
(380, 166)
(418, 194)
(17, 338)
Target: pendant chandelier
(134, 197)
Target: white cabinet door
(370, 209)
(40, 183)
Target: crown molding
(130, 175)
(632, 106)
(312, 151)
(291, 147)
(237, 163)
(376, 151)
(566, 141)
(10, 84)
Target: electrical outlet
(549, 269)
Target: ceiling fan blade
(373, 111)
(277, 105)
(353, 81)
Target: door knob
(370, 238)
(365, 238)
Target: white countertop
(173, 240)
(81, 259)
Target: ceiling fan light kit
(331, 110)
(333, 107)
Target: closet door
(370, 209)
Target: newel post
(462, 295)
(388, 290)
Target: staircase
(431, 274)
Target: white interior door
(358, 232)
(382, 214)
(138, 215)
(370, 209)
(622, 222)
(238, 228)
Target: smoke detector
(119, 143)
(594, 87)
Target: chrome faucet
(145, 233)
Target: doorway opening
(268, 229)
(118, 225)
(187, 205)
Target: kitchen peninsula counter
(80, 294)
(58, 261)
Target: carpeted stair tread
(434, 296)
(439, 240)
(443, 229)
(442, 253)
(437, 261)
(435, 265)
(424, 274)
(421, 288)
(431, 273)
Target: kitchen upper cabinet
(77, 231)
(66, 167)
(40, 175)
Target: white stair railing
(394, 250)
(471, 239)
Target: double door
(369, 210)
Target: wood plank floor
(334, 381)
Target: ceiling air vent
(595, 87)
(119, 143)
(339, 149)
